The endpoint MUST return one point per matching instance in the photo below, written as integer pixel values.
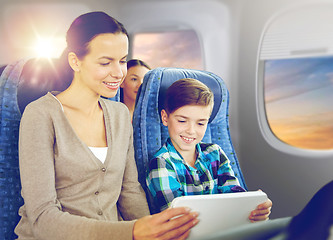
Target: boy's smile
(187, 126)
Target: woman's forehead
(109, 45)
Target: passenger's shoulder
(110, 104)
(44, 103)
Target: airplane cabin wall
(289, 178)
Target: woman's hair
(187, 91)
(87, 26)
(80, 33)
(137, 62)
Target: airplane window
(168, 49)
(295, 79)
(298, 100)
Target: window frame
(263, 122)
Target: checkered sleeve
(162, 182)
(227, 181)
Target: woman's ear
(164, 117)
(74, 62)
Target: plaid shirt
(170, 176)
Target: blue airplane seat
(20, 83)
(149, 132)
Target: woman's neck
(78, 97)
(130, 105)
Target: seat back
(20, 83)
(149, 132)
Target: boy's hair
(187, 91)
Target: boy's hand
(262, 212)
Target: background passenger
(315, 221)
(76, 158)
(184, 165)
(136, 70)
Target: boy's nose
(190, 128)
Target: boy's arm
(162, 183)
(227, 181)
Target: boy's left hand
(262, 212)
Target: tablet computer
(220, 211)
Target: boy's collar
(176, 155)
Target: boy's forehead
(194, 111)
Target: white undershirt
(99, 152)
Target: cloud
(292, 77)
(309, 132)
(170, 49)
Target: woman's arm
(173, 223)
(132, 202)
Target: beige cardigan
(68, 193)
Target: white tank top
(99, 152)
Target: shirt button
(97, 192)
(103, 169)
(100, 212)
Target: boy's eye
(123, 62)
(104, 64)
(134, 79)
(181, 121)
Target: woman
(136, 70)
(77, 165)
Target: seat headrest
(170, 75)
(40, 76)
(2, 68)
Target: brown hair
(81, 32)
(187, 91)
(87, 26)
(137, 62)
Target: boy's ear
(164, 117)
(74, 62)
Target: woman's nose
(117, 71)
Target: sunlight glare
(48, 47)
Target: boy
(184, 165)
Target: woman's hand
(262, 212)
(172, 223)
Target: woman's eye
(104, 64)
(123, 62)
(134, 79)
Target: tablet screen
(220, 211)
